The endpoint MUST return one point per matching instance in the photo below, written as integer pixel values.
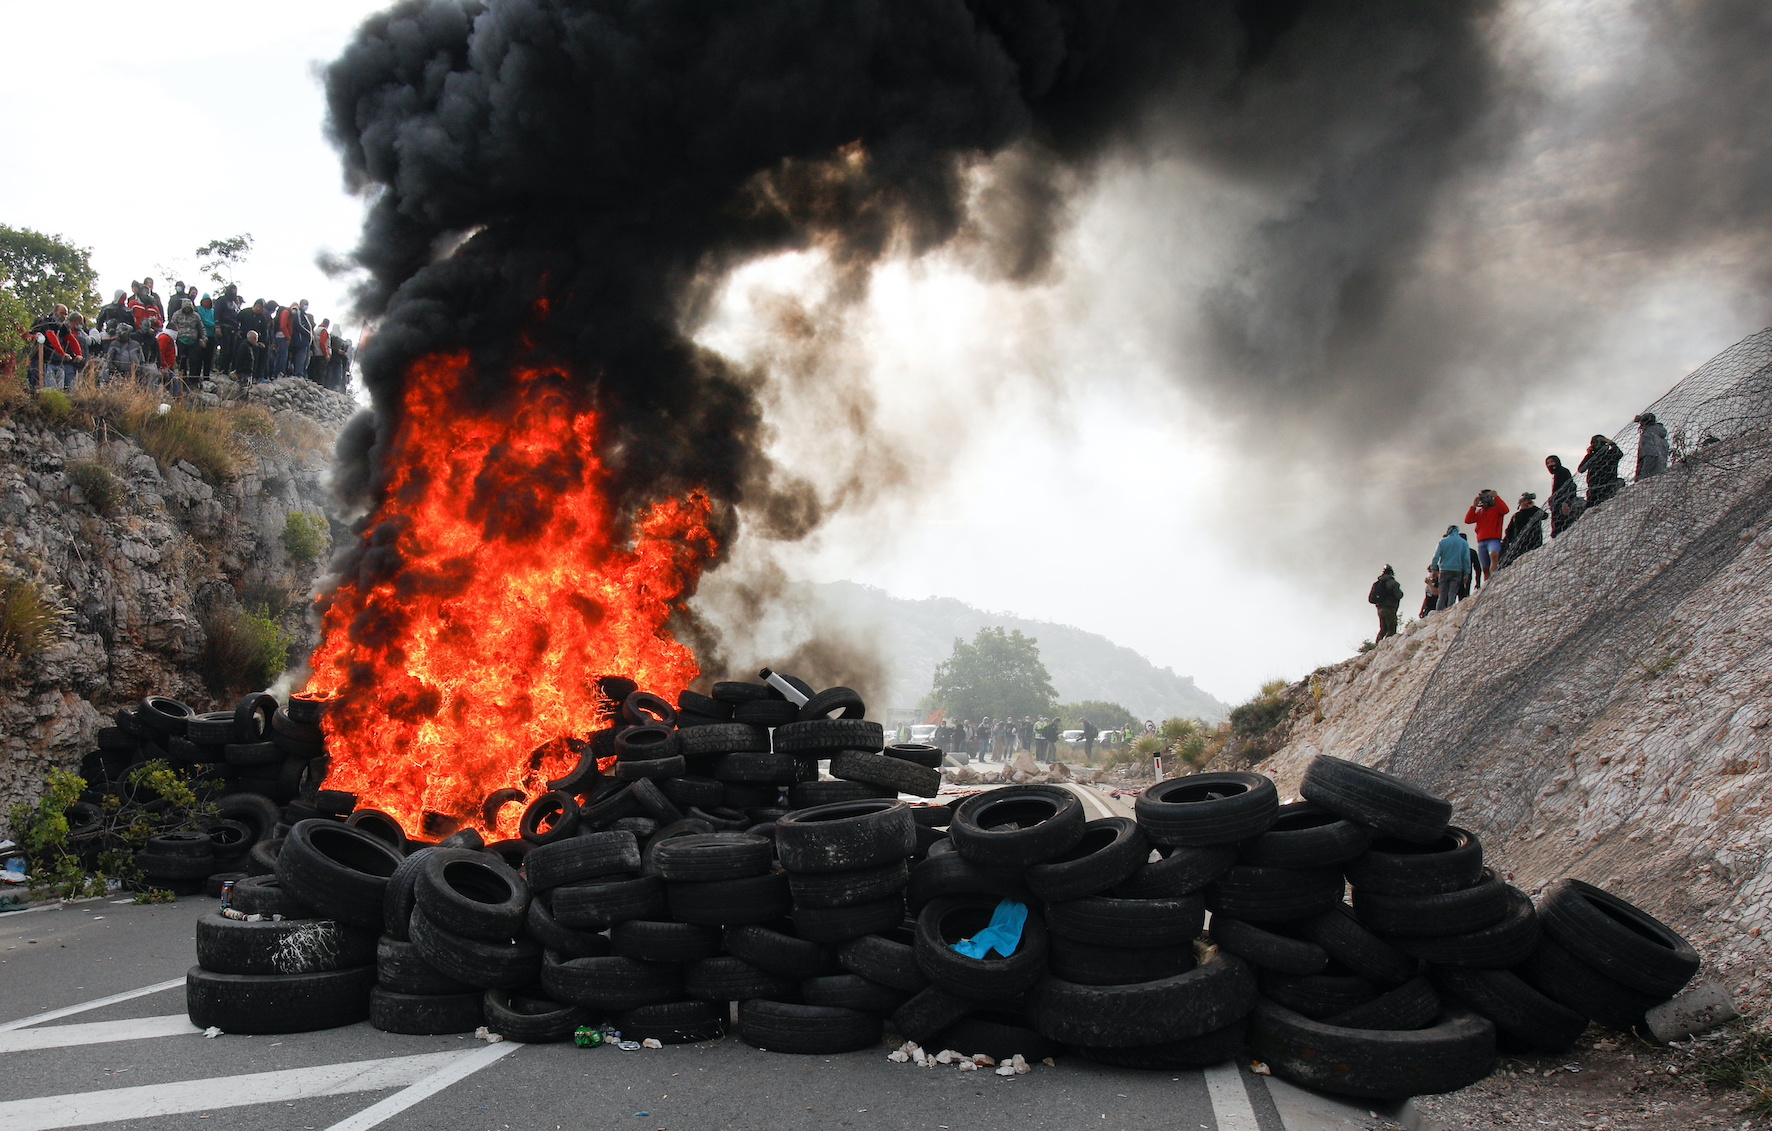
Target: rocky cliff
(155, 533)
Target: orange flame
(467, 671)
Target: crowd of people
(1459, 568)
(1001, 739)
(191, 335)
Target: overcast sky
(1075, 460)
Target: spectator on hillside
(152, 298)
(282, 337)
(179, 295)
(186, 328)
(49, 362)
(246, 355)
(166, 345)
(206, 351)
(1430, 596)
(1386, 593)
(227, 324)
(123, 355)
(1601, 465)
(1652, 446)
(1485, 513)
(1565, 501)
(141, 306)
(1525, 531)
(254, 321)
(1451, 566)
(338, 368)
(115, 311)
(322, 353)
(301, 339)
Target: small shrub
(251, 420)
(243, 651)
(1743, 1063)
(304, 536)
(55, 406)
(101, 488)
(30, 620)
(200, 436)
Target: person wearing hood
(1525, 531)
(1652, 446)
(1486, 512)
(1565, 502)
(186, 328)
(301, 339)
(123, 354)
(227, 323)
(1451, 566)
(254, 321)
(1601, 465)
(206, 351)
(1386, 593)
(116, 311)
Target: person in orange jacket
(1486, 513)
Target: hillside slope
(915, 636)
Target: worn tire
(338, 870)
(660, 940)
(820, 736)
(600, 905)
(551, 817)
(611, 983)
(1273, 895)
(278, 1003)
(1107, 921)
(787, 1027)
(930, 1011)
(845, 836)
(889, 959)
(477, 962)
(675, 1022)
(895, 774)
(1089, 965)
(1412, 1005)
(1451, 861)
(821, 890)
(852, 991)
(705, 857)
(1317, 995)
(1202, 1051)
(1618, 939)
(1525, 1017)
(949, 873)
(754, 899)
(399, 967)
(1372, 797)
(1429, 916)
(1348, 942)
(1268, 950)
(725, 978)
(577, 859)
(426, 1014)
(948, 920)
(723, 738)
(286, 946)
(831, 699)
(1208, 997)
(263, 894)
(1181, 872)
(1110, 851)
(1572, 983)
(471, 893)
(565, 941)
(807, 794)
(1207, 809)
(776, 951)
(1306, 835)
(1498, 946)
(537, 1025)
(1373, 1063)
(1017, 825)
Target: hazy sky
(1076, 450)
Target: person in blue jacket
(1452, 560)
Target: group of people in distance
(1002, 738)
(190, 335)
(1459, 568)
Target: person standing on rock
(1485, 513)
(1525, 531)
(1652, 446)
(1565, 500)
(1601, 465)
(1386, 593)
(1451, 566)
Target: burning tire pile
(709, 877)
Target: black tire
(726, 738)
(998, 1033)
(600, 905)
(1618, 939)
(688, 826)
(264, 895)
(932, 816)
(545, 1023)
(1373, 1063)
(1412, 1005)
(755, 768)
(1181, 872)
(382, 826)
(1273, 895)
(470, 893)
(1429, 916)
(645, 743)
(252, 717)
(754, 899)
(401, 895)
(213, 728)
(399, 967)
(1017, 825)
(246, 755)
(735, 693)
(929, 1012)
(947, 921)
(192, 846)
(848, 889)
(846, 836)
(1572, 983)
(564, 941)
(888, 958)
(1525, 1017)
(1451, 861)
(475, 961)
(650, 769)
(1268, 950)
(705, 857)
(852, 991)
(833, 925)
(552, 816)
(214, 883)
(723, 820)
(278, 1003)
(808, 794)
(307, 709)
(831, 699)
(286, 946)
(339, 871)
(741, 795)
(1111, 850)
(1207, 809)
(642, 708)
(725, 978)
(776, 951)
(766, 713)
(778, 1026)
(1351, 944)
(919, 753)
(580, 858)
(611, 983)
(612, 801)
(650, 801)
(301, 734)
(1107, 921)
(888, 773)
(181, 867)
(512, 852)
(1208, 997)
(1306, 835)
(660, 940)
(948, 873)
(1089, 965)
(828, 736)
(675, 1022)
(580, 781)
(1372, 797)
(426, 1014)
(686, 791)
(1202, 1051)
(705, 705)
(165, 717)
(1317, 995)
(1496, 947)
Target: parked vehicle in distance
(923, 733)
(1074, 737)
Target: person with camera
(1486, 513)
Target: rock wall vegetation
(1602, 710)
(148, 551)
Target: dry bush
(206, 438)
(101, 488)
(30, 620)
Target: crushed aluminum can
(587, 1037)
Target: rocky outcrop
(1603, 709)
(137, 579)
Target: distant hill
(918, 635)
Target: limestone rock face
(1603, 709)
(137, 581)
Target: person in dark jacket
(227, 323)
(1652, 446)
(1565, 501)
(1386, 593)
(1601, 465)
(1049, 738)
(248, 354)
(1525, 530)
(115, 311)
(253, 320)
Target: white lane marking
(97, 1033)
(385, 1109)
(47, 1113)
(96, 1003)
(1230, 1100)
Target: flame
(470, 668)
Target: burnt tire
(1373, 1063)
(1110, 851)
(1208, 997)
(1017, 825)
(551, 817)
(1268, 950)
(1618, 939)
(278, 1003)
(531, 1021)
(788, 1027)
(1451, 861)
(895, 774)
(426, 1014)
(845, 836)
(1372, 797)
(1526, 1018)
(1207, 809)
(339, 871)
(282, 946)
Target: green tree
(998, 674)
(220, 257)
(1105, 715)
(42, 270)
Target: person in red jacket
(1486, 513)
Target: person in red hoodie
(1486, 513)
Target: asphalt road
(137, 1063)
